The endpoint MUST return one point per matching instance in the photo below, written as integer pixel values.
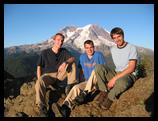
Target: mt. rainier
(74, 38)
(77, 36)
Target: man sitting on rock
(54, 64)
(87, 62)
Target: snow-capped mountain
(74, 38)
(77, 36)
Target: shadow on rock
(12, 85)
(54, 93)
(149, 104)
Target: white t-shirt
(121, 56)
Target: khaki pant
(89, 86)
(104, 74)
(41, 85)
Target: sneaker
(106, 104)
(64, 110)
(101, 97)
(81, 98)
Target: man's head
(117, 35)
(58, 40)
(89, 47)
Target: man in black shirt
(54, 64)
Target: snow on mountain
(74, 38)
(77, 36)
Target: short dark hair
(116, 30)
(89, 42)
(60, 34)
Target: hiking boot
(42, 111)
(69, 87)
(101, 97)
(81, 98)
(106, 104)
(64, 110)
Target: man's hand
(62, 67)
(111, 83)
(131, 67)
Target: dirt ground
(135, 102)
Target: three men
(110, 82)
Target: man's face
(58, 41)
(118, 38)
(89, 49)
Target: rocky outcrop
(135, 102)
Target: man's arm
(66, 63)
(131, 68)
(39, 72)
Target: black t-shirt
(50, 61)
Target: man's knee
(75, 87)
(101, 67)
(98, 67)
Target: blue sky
(34, 23)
